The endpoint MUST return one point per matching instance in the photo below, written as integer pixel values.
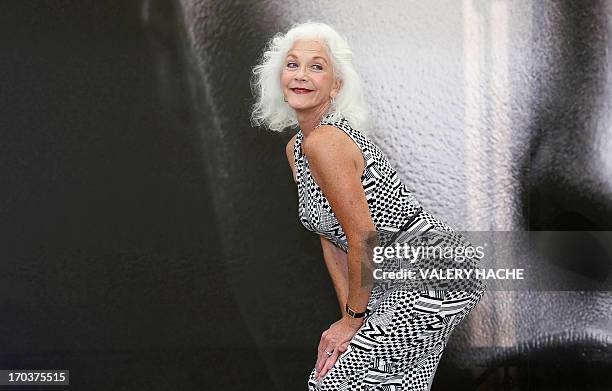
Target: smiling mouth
(301, 90)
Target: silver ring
(329, 353)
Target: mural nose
(570, 167)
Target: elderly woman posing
(347, 189)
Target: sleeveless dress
(403, 335)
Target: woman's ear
(336, 87)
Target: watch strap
(354, 314)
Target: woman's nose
(300, 74)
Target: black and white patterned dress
(402, 338)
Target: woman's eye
(317, 67)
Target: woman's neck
(309, 120)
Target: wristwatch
(354, 314)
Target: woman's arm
(290, 156)
(337, 266)
(336, 164)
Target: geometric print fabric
(402, 338)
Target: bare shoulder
(333, 160)
(324, 136)
(330, 140)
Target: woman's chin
(300, 106)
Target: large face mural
(496, 114)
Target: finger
(329, 363)
(321, 350)
(322, 356)
(321, 341)
(344, 346)
(323, 359)
(324, 342)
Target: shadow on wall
(111, 254)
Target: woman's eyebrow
(315, 57)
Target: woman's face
(307, 77)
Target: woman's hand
(335, 339)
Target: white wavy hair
(270, 109)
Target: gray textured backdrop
(150, 235)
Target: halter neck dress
(402, 338)
(390, 202)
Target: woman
(347, 190)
